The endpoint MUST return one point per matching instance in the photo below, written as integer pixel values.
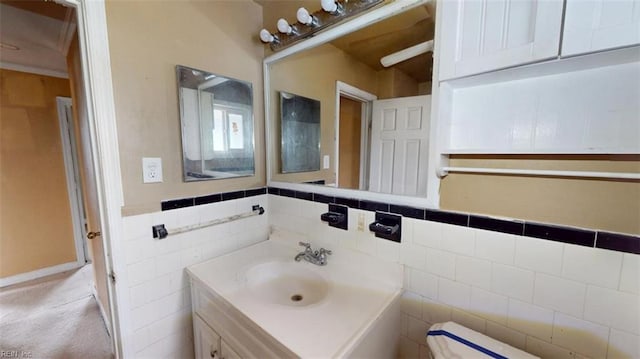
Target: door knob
(92, 235)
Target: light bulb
(266, 36)
(284, 27)
(329, 5)
(304, 17)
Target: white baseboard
(23, 277)
(103, 313)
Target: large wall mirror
(216, 114)
(374, 86)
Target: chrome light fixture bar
(332, 12)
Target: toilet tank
(452, 340)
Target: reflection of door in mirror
(399, 145)
(350, 123)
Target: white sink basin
(348, 308)
(283, 283)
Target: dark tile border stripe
(373, 206)
(618, 242)
(458, 219)
(556, 233)
(323, 199)
(176, 203)
(410, 212)
(255, 192)
(212, 198)
(227, 196)
(304, 195)
(560, 234)
(496, 225)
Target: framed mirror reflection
(300, 133)
(373, 85)
(216, 114)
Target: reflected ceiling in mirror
(350, 157)
(216, 115)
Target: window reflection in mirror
(216, 114)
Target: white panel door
(484, 35)
(399, 145)
(596, 25)
(206, 341)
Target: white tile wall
(553, 300)
(630, 274)
(159, 297)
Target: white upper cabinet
(484, 35)
(595, 25)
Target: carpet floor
(53, 317)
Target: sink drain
(296, 297)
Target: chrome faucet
(317, 257)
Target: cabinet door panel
(207, 342)
(485, 35)
(596, 25)
(228, 353)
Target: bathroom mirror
(300, 133)
(374, 118)
(216, 115)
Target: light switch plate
(325, 162)
(151, 169)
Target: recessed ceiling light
(6, 46)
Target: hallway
(53, 317)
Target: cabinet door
(595, 25)
(484, 35)
(228, 353)
(207, 342)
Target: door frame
(343, 89)
(71, 163)
(98, 90)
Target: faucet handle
(304, 244)
(325, 251)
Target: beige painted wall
(35, 217)
(395, 83)
(313, 74)
(147, 40)
(599, 204)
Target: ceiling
(41, 30)
(410, 28)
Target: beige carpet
(53, 317)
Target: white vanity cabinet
(221, 332)
(207, 341)
(480, 36)
(596, 25)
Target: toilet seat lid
(451, 340)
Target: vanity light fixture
(285, 28)
(332, 7)
(268, 37)
(331, 13)
(305, 18)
